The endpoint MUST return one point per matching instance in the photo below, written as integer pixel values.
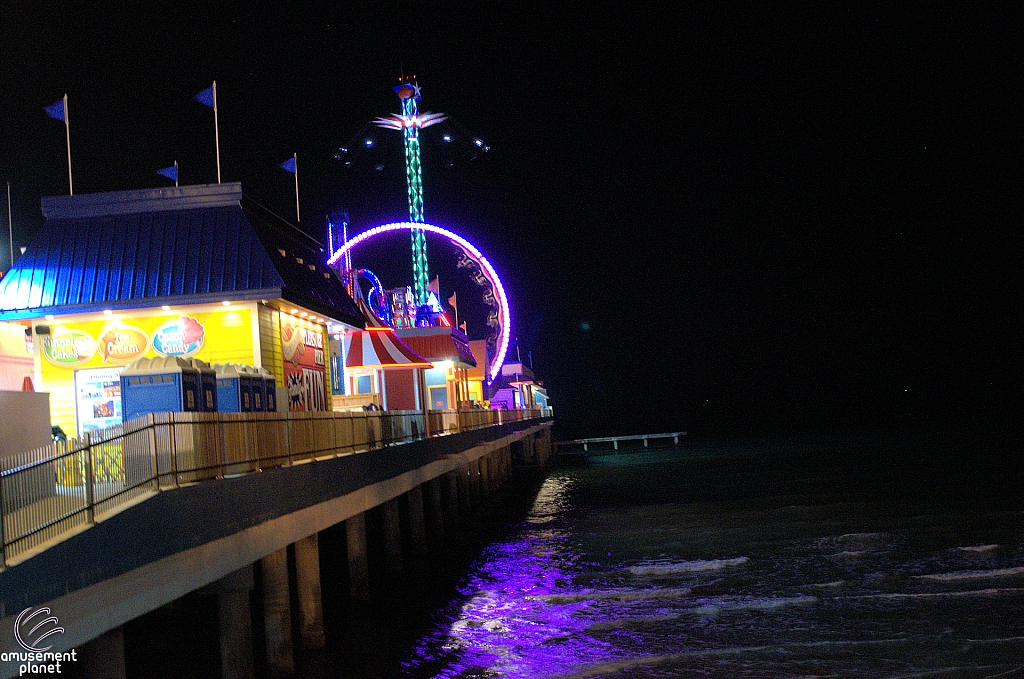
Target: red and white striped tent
(379, 348)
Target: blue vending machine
(159, 385)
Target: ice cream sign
(123, 344)
(68, 348)
(183, 336)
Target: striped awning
(380, 348)
(447, 344)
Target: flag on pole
(170, 172)
(451, 301)
(291, 165)
(57, 111)
(208, 97)
(205, 97)
(434, 286)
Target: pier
(583, 445)
(107, 529)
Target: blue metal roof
(187, 245)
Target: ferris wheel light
(492, 275)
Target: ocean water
(865, 556)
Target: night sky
(721, 220)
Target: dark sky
(714, 219)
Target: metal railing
(49, 492)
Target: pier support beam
(486, 481)
(474, 483)
(234, 622)
(392, 538)
(307, 577)
(454, 504)
(435, 508)
(103, 657)
(417, 522)
(358, 567)
(277, 615)
(464, 502)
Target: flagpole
(456, 306)
(67, 130)
(216, 130)
(295, 159)
(10, 223)
(175, 174)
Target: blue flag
(56, 111)
(205, 97)
(169, 172)
(289, 165)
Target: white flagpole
(456, 307)
(175, 174)
(295, 159)
(10, 223)
(216, 129)
(67, 129)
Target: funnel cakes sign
(68, 348)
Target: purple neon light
(492, 275)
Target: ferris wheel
(478, 269)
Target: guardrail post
(152, 450)
(3, 539)
(174, 449)
(90, 509)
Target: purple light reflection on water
(507, 627)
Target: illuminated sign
(182, 337)
(68, 348)
(123, 344)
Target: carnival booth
(196, 272)
(378, 362)
(448, 351)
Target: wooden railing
(49, 492)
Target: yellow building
(195, 272)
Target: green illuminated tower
(410, 123)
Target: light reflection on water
(677, 582)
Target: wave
(628, 595)
(710, 609)
(973, 575)
(981, 549)
(994, 591)
(615, 666)
(657, 570)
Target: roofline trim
(165, 199)
(141, 303)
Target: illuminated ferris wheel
(478, 268)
